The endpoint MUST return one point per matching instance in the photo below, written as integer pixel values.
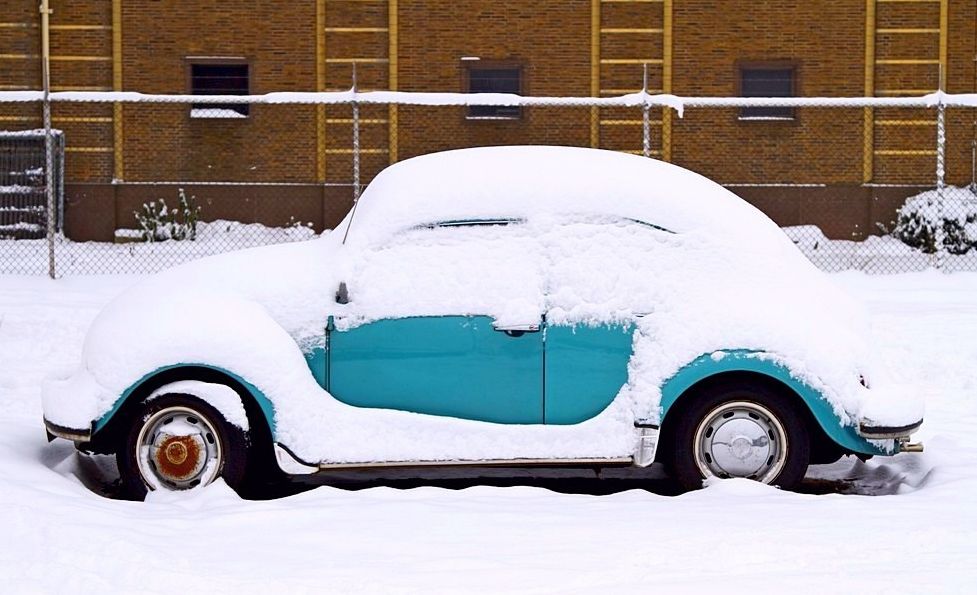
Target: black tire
(232, 441)
(710, 407)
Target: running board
(483, 463)
(292, 465)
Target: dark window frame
(493, 113)
(767, 114)
(242, 108)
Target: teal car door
(457, 366)
(586, 366)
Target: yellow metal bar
(118, 138)
(628, 122)
(89, 149)
(667, 38)
(56, 58)
(634, 1)
(356, 29)
(320, 84)
(350, 151)
(356, 60)
(886, 31)
(640, 151)
(392, 53)
(905, 122)
(595, 71)
(81, 27)
(944, 35)
(19, 118)
(362, 121)
(903, 91)
(626, 91)
(905, 152)
(18, 25)
(908, 1)
(87, 120)
(79, 88)
(627, 30)
(632, 61)
(868, 114)
(906, 61)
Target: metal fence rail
(874, 184)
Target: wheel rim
(178, 449)
(741, 439)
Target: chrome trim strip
(480, 463)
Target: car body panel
(742, 360)
(455, 366)
(264, 403)
(586, 366)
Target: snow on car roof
(522, 182)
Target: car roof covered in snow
(523, 182)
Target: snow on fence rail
(851, 187)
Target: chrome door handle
(516, 330)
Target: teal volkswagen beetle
(509, 306)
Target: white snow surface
(900, 524)
(223, 398)
(728, 279)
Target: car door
(457, 366)
(593, 304)
(586, 366)
(453, 326)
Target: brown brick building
(843, 169)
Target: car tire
(177, 442)
(739, 429)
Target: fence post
(645, 116)
(356, 141)
(48, 138)
(940, 181)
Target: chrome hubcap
(741, 439)
(178, 449)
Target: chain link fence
(883, 185)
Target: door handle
(516, 330)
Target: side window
(603, 271)
(488, 269)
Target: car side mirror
(342, 294)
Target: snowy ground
(906, 523)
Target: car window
(493, 269)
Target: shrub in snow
(157, 222)
(920, 216)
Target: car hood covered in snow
(713, 274)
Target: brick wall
(551, 39)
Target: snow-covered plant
(919, 218)
(157, 222)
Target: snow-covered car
(496, 306)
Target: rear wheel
(179, 443)
(739, 429)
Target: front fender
(843, 432)
(190, 371)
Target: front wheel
(177, 443)
(739, 430)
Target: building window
(485, 78)
(767, 81)
(219, 78)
